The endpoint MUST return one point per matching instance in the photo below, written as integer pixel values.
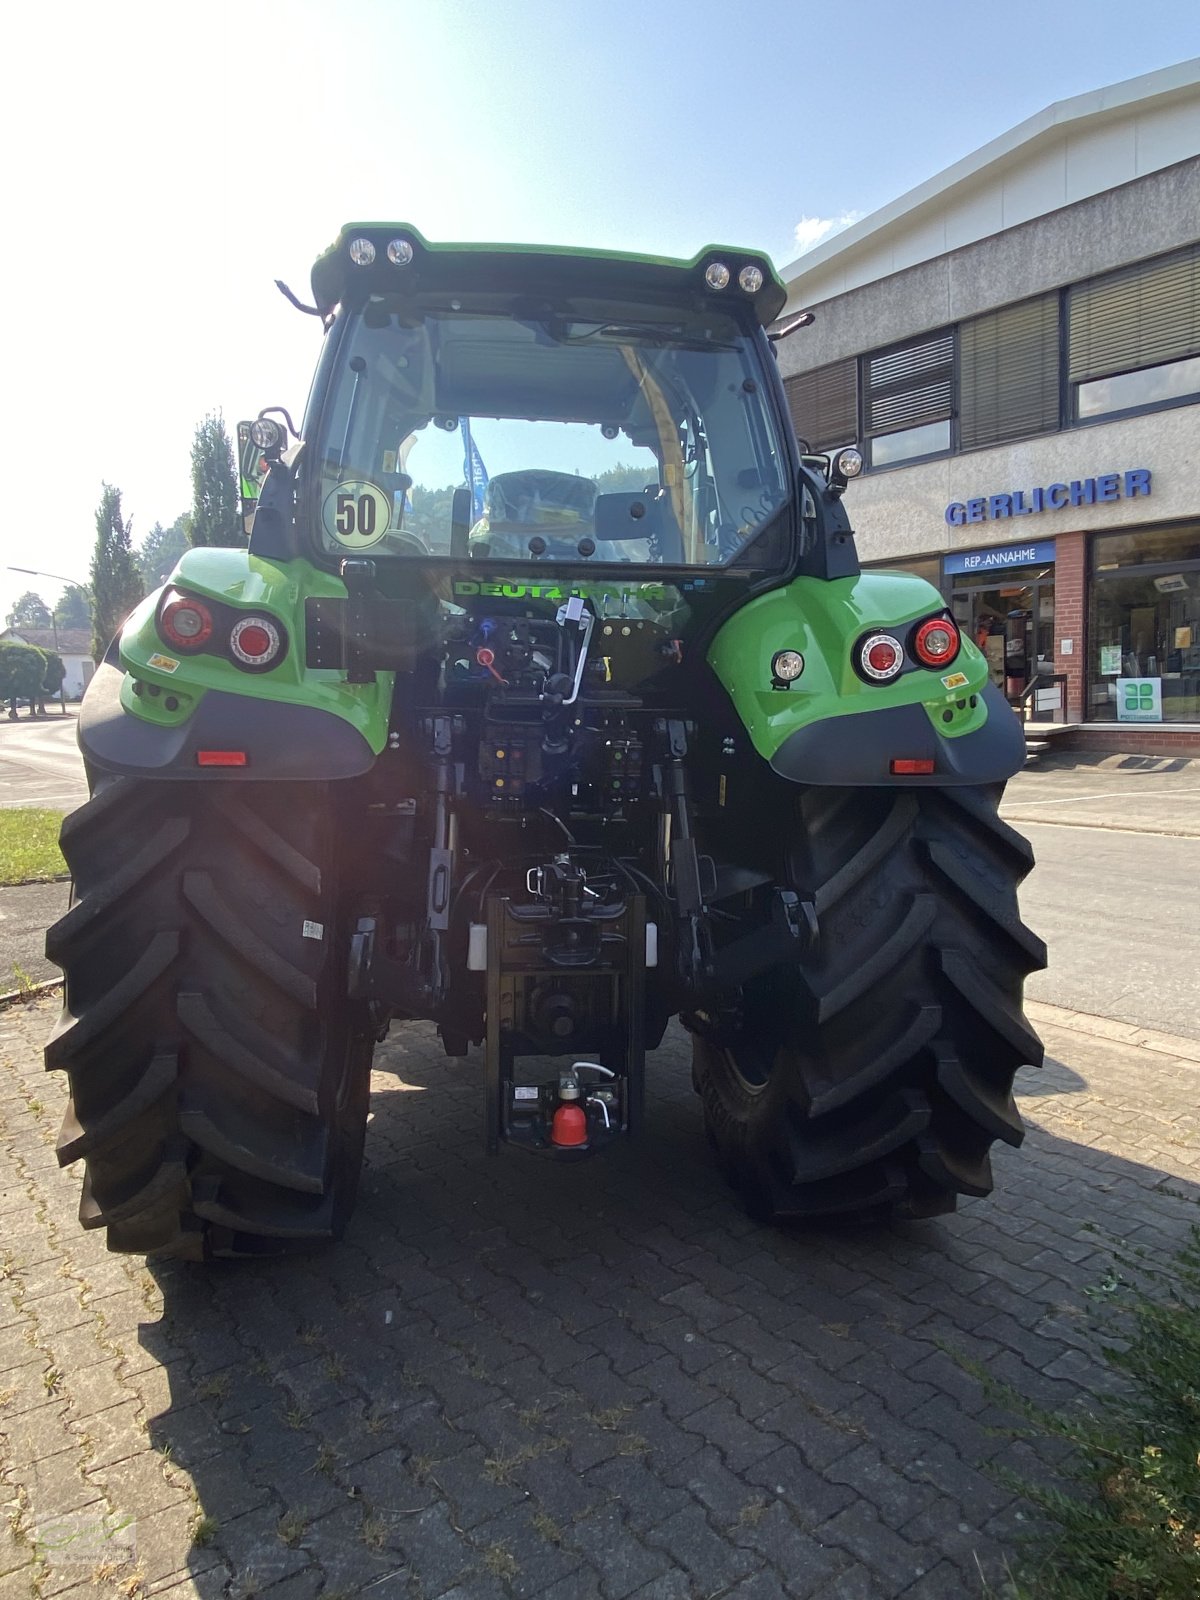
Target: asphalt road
(1137, 794)
(40, 763)
(1118, 912)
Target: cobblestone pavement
(515, 1379)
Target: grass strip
(29, 850)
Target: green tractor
(618, 733)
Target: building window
(824, 405)
(1008, 373)
(1134, 337)
(927, 567)
(909, 399)
(1144, 626)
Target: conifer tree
(216, 510)
(116, 585)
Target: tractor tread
(881, 1070)
(980, 810)
(864, 861)
(86, 912)
(245, 1055)
(168, 1177)
(220, 1201)
(890, 954)
(75, 1139)
(202, 894)
(1000, 1011)
(958, 871)
(900, 1047)
(889, 1125)
(955, 1169)
(290, 1157)
(305, 872)
(986, 1104)
(218, 1082)
(74, 1035)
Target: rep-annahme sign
(1025, 502)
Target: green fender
(150, 708)
(830, 726)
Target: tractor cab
(597, 414)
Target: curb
(1104, 827)
(35, 991)
(1167, 1044)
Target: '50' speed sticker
(356, 514)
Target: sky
(166, 162)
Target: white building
(74, 645)
(1015, 344)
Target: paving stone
(256, 1555)
(610, 1373)
(811, 1496)
(624, 1562)
(437, 1553)
(798, 1562)
(541, 1554)
(477, 1485)
(858, 1530)
(56, 1484)
(690, 1541)
(645, 1498)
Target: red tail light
(256, 642)
(220, 758)
(909, 766)
(880, 657)
(184, 622)
(936, 642)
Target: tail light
(184, 622)
(256, 642)
(936, 642)
(880, 657)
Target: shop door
(1013, 624)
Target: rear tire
(875, 1074)
(219, 1078)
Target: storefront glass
(1144, 626)
(1010, 615)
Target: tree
(428, 515)
(116, 586)
(56, 671)
(22, 673)
(159, 552)
(74, 608)
(625, 479)
(216, 509)
(30, 611)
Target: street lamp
(36, 572)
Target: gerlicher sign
(1025, 502)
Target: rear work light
(255, 642)
(936, 642)
(185, 623)
(880, 657)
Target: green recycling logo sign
(1139, 699)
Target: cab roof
(337, 278)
